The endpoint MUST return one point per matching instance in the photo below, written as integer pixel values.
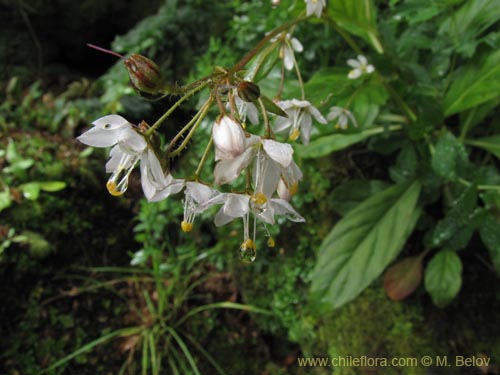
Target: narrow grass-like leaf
(184, 349)
(223, 305)
(207, 355)
(363, 243)
(491, 144)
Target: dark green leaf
(347, 196)
(272, 107)
(490, 234)
(406, 165)
(443, 277)
(363, 243)
(456, 218)
(328, 144)
(445, 157)
(491, 144)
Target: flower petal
(353, 63)
(97, 137)
(355, 73)
(282, 207)
(279, 152)
(111, 122)
(296, 45)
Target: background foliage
(403, 207)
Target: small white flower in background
(229, 138)
(315, 7)
(360, 66)
(342, 116)
(130, 147)
(195, 195)
(288, 48)
(299, 120)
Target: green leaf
(476, 83)
(348, 195)
(5, 199)
(363, 243)
(443, 277)
(456, 218)
(325, 83)
(272, 107)
(52, 186)
(31, 190)
(357, 17)
(491, 144)
(19, 165)
(328, 144)
(445, 157)
(490, 235)
(464, 26)
(406, 165)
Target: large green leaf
(443, 277)
(448, 156)
(477, 83)
(363, 243)
(490, 234)
(358, 17)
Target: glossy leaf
(475, 84)
(363, 243)
(446, 156)
(456, 218)
(443, 277)
(490, 235)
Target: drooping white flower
(130, 147)
(315, 7)
(228, 137)
(242, 206)
(360, 66)
(299, 121)
(195, 195)
(342, 116)
(289, 45)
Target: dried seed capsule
(145, 76)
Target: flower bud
(248, 91)
(229, 138)
(145, 75)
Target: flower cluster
(259, 167)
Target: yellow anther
(248, 244)
(294, 134)
(112, 189)
(271, 242)
(244, 125)
(186, 226)
(259, 199)
(294, 189)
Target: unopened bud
(248, 91)
(229, 138)
(145, 75)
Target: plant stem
(204, 158)
(174, 107)
(251, 54)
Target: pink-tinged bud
(229, 138)
(248, 91)
(145, 75)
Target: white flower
(242, 205)
(360, 66)
(300, 114)
(342, 115)
(229, 138)
(130, 147)
(315, 7)
(288, 46)
(195, 195)
(277, 155)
